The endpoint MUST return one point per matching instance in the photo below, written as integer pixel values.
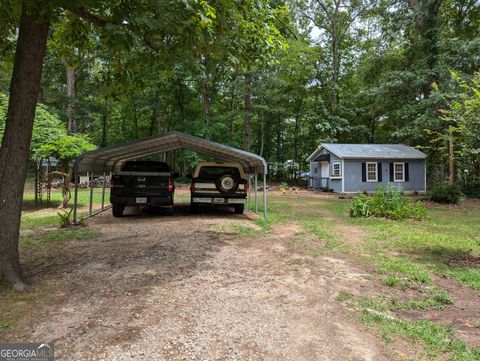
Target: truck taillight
(245, 187)
(170, 185)
(192, 187)
(112, 183)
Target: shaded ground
(154, 287)
(217, 285)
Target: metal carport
(111, 159)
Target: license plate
(218, 200)
(141, 200)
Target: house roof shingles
(372, 151)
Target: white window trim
(376, 172)
(333, 175)
(395, 172)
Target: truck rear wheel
(117, 210)
(193, 208)
(239, 208)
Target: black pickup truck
(142, 183)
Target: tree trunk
(72, 122)
(14, 152)
(247, 130)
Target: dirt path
(173, 288)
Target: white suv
(219, 184)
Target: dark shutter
(379, 171)
(364, 172)
(391, 172)
(407, 173)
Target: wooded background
(273, 77)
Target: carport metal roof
(111, 158)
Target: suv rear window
(146, 166)
(211, 172)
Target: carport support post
(75, 196)
(249, 190)
(103, 190)
(256, 193)
(90, 181)
(264, 196)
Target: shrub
(471, 189)
(446, 193)
(387, 202)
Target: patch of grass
(403, 266)
(298, 261)
(5, 325)
(244, 229)
(34, 220)
(434, 338)
(392, 281)
(467, 275)
(344, 296)
(436, 301)
(83, 197)
(16, 307)
(429, 245)
(58, 235)
(320, 229)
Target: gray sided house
(355, 168)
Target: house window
(372, 172)
(336, 172)
(399, 172)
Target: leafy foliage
(388, 202)
(322, 71)
(443, 192)
(47, 127)
(471, 188)
(65, 216)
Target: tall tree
(14, 152)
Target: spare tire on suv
(219, 184)
(227, 183)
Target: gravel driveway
(153, 287)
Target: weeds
(388, 202)
(65, 216)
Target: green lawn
(405, 256)
(413, 249)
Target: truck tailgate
(140, 184)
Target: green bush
(446, 193)
(387, 202)
(471, 189)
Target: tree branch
(91, 18)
